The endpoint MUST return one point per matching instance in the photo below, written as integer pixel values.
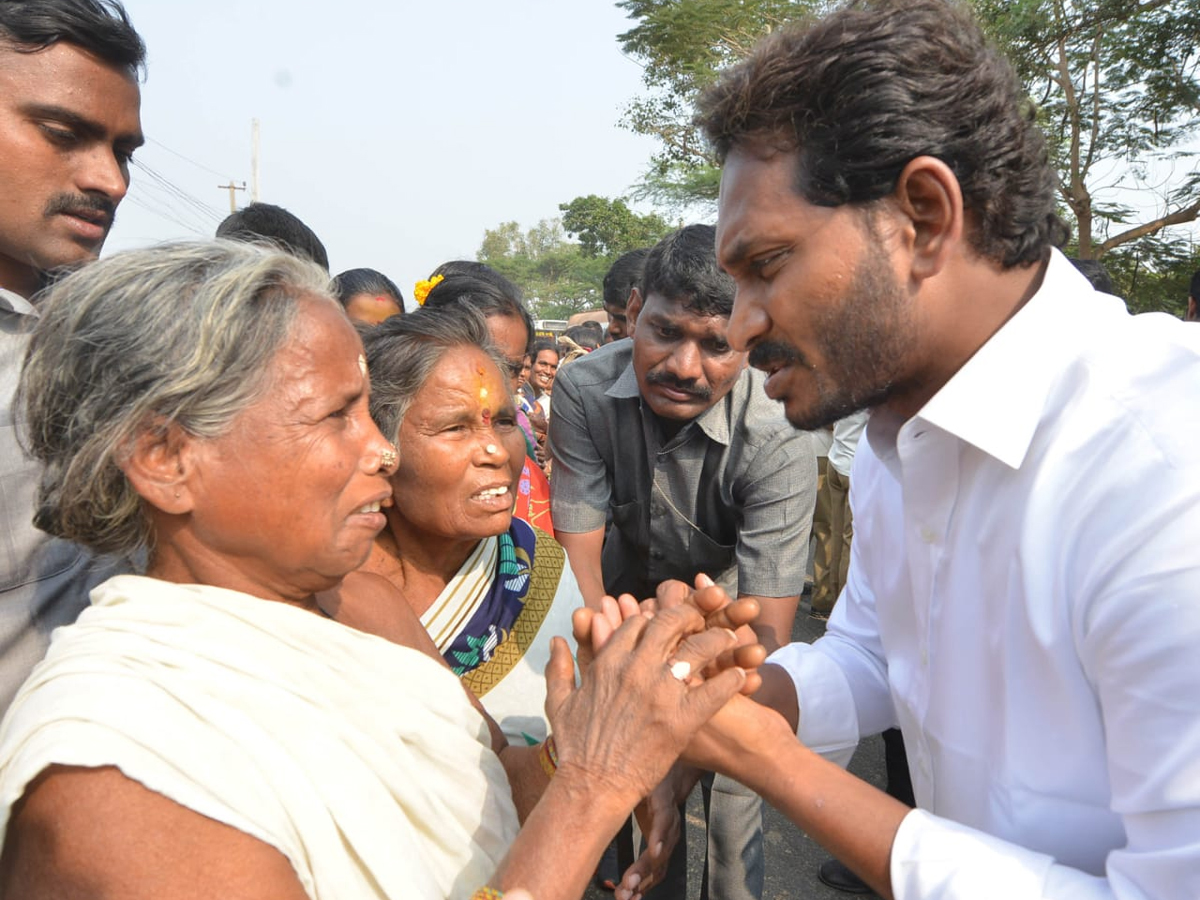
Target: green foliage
(609, 227)
(1116, 84)
(1160, 287)
(681, 46)
(557, 278)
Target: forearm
(851, 819)
(563, 838)
(526, 777)
(583, 552)
(773, 628)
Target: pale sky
(398, 131)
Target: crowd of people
(307, 596)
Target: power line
(198, 165)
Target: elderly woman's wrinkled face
(461, 451)
(288, 501)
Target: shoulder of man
(758, 419)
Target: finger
(749, 656)
(560, 676)
(703, 581)
(698, 650)
(710, 598)
(671, 593)
(667, 629)
(611, 611)
(581, 625)
(721, 614)
(703, 700)
(602, 631)
(628, 606)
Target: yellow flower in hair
(422, 288)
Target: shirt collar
(714, 421)
(996, 400)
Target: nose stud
(389, 458)
(490, 449)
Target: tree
(609, 227)
(681, 46)
(1118, 94)
(1116, 83)
(557, 278)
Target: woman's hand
(623, 727)
(593, 628)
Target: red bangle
(548, 756)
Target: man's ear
(632, 309)
(929, 199)
(158, 466)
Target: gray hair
(181, 334)
(403, 351)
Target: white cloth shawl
(360, 760)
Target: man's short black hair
(864, 91)
(682, 268)
(1093, 270)
(623, 276)
(101, 27)
(271, 224)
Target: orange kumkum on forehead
(485, 406)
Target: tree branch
(1187, 214)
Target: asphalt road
(792, 857)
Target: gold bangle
(548, 756)
(487, 893)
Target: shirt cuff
(828, 720)
(936, 859)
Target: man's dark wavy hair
(862, 92)
(682, 268)
(101, 27)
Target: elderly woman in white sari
(206, 729)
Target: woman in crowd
(545, 367)
(205, 729)
(368, 296)
(489, 588)
(510, 329)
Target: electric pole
(254, 160)
(231, 187)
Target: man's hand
(592, 628)
(625, 725)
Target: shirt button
(924, 657)
(656, 554)
(928, 536)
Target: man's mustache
(73, 203)
(691, 386)
(774, 355)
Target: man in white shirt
(1023, 599)
(69, 122)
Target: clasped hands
(654, 675)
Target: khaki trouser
(831, 561)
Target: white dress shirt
(1024, 602)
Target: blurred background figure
(368, 296)
(620, 282)
(268, 223)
